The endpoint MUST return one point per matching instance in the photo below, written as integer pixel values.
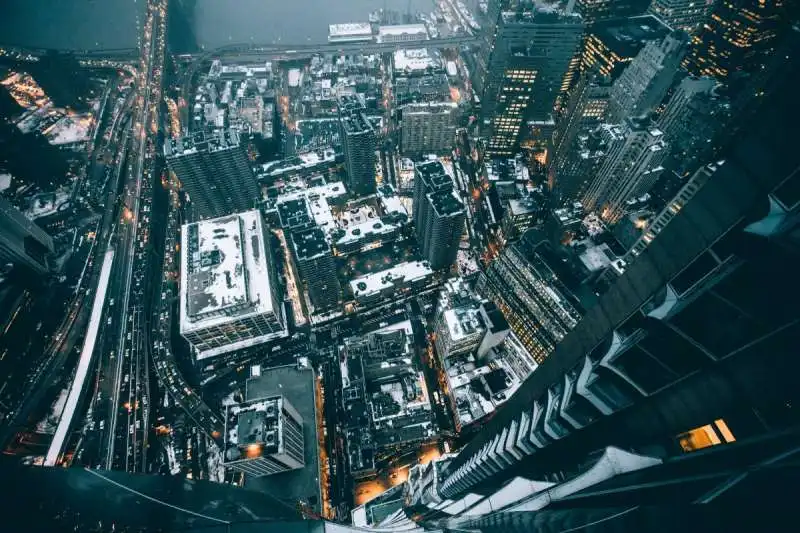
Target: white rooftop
(377, 281)
(403, 29)
(413, 60)
(463, 322)
(349, 30)
(230, 276)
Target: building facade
(22, 242)
(594, 11)
(215, 173)
(359, 143)
(428, 128)
(438, 214)
(632, 164)
(737, 37)
(536, 304)
(263, 437)
(522, 71)
(644, 83)
(317, 267)
(684, 15)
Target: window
(706, 436)
(698, 269)
(643, 370)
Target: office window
(706, 436)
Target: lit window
(706, 436)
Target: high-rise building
(230, 297)
(540, 309)
(318, 269)
(692, 348)
(522, 70)
(438, 214)
(594, 11)
(442, 228)
(573, 171)
(263, 437)
(646, 80)
(584, 112)
(694, 116)
(22, 242)
(684, 15)
(611, 45)
(428, 128)
(635, 151)
(359, 143)
(737, 37)
(214, 171)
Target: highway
(125, 375)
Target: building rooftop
(507, 169)
(350, 29)
(297, 386)
(299, 162)
(310, 243)
(446, 203)
(463, 322)
(294, 213)
(627, 36)
(224, 272)
(414, 61)
(478, 387)
(597, 257)
(403, 29)
(378, 281)
(522, 206)
(202, 141)
(254, 429)
(433, 174)
(317, 200)
(364, 230)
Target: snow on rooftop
(403, 29)
(378, 281)
(350, 31)
(225, 273)
(70, 129)
(413, 60)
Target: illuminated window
(706, 436)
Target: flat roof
(254, 427)
(301, 161)
(377, 281)
(463, 322)
(627, 36)
(202, 141)
(414, 60)
(357, 232)
(522, 206)
(310, 243)
(402, 29)
(224, 271)
(507, 169)
(349, 29)
(446, 203)
(297, 386)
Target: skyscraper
(646, 80)
(428, 128)
(584, 111)
(635, 151)
(611, 45)
(263, 436)
(685, 15)
(214, 171)
(693, 347)
(22, 242)
(359, 143)
(540, 309)
(438, 214)
(523, 68)
(692, 119)
(317, 267)
(737, 37)
(594, 11)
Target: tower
(214, 171)
(359, 143)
